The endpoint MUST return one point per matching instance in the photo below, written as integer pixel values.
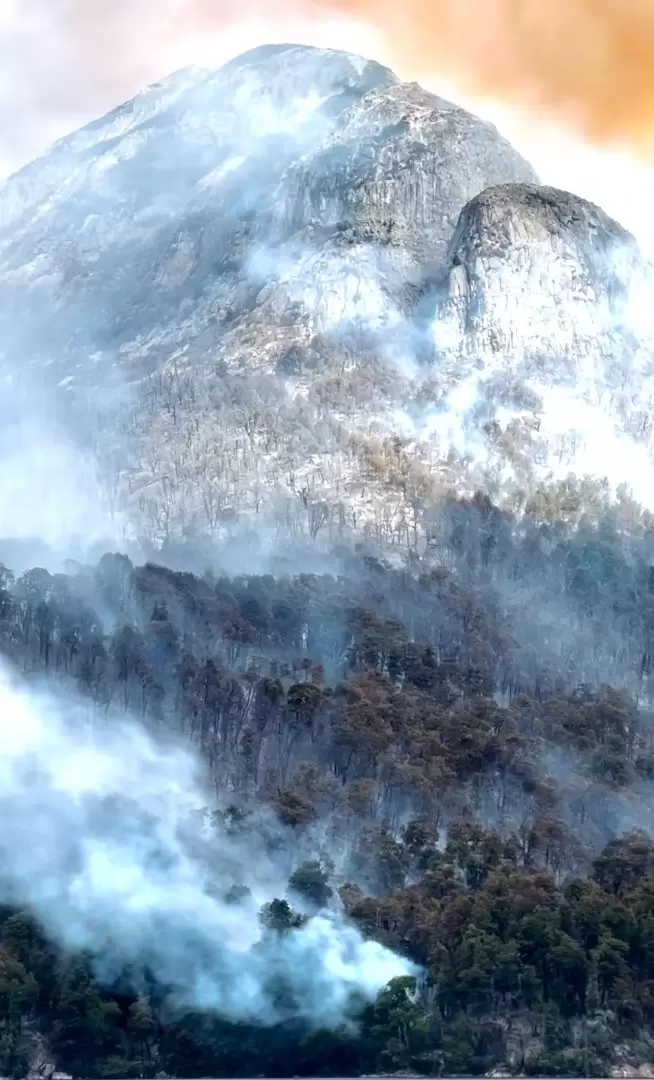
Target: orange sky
(587, 62)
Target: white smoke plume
(50, 489)
(100, 839)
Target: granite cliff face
(285, 294)
(544, 318)
(519, 256)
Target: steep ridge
(249, 296)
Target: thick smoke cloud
(591, 62)
(101, 839)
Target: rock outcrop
(543, 322)
(537, 275)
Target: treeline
(474, 731)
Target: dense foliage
(520, 969)
(472, 734)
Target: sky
(569, 82)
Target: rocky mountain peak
(240, 285)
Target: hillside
(396, 750)
(215, 284)
(238, 287)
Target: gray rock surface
(537, 275)
(290, 295)
(544, 321)
(143, 222)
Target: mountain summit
(298, 292)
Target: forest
(459, 754)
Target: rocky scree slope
(299, 292)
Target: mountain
(300, 294)
(394, 818)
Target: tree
(311, 881)
(397, 1024)
(278, 917)
(18, 995)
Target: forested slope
(467, 776)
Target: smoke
(65, 62)
(589, 62)
(101, 839)
(50, 488)
(96, 835)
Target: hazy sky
(587, 67)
